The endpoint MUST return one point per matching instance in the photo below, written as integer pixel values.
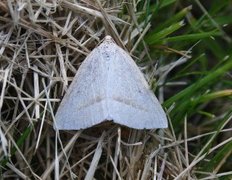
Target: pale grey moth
(109, 86)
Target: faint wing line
(124, 101)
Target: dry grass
(42, 45)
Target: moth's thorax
(107, 49)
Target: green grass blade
(156, 37)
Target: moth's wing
(109, 86)
(130, 101)
(84, 103)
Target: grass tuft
(184, 50)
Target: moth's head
(108, 39)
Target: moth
(109, 86)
